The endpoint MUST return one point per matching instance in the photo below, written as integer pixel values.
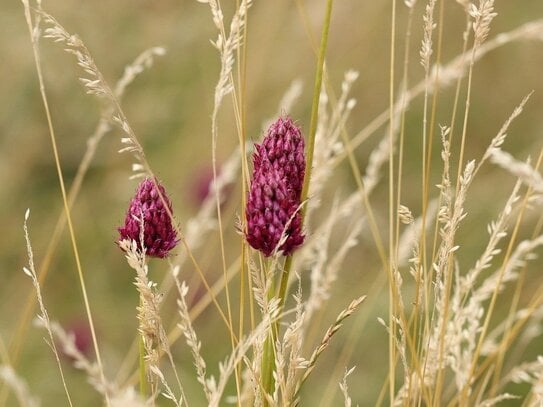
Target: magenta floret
(159, 235)
(272, 210)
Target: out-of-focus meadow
(169, 107)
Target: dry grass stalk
(347, 312)
(143, 61)
(227, 367)
(529, 317)
(328, 146)
(429, 27)
(190, 336)
(521, 170)
(150, 327)
(443, 76)
(227, 45)
(498, 399)
(19, 387)
(35, 31)
(326, 266)
(345, 388)
(482, 16)
(288, 353)
(531, 373)
(450, 312)
(118, 396)
(43, 316)
(95, 84)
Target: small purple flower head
(272, 210)
(159, 236)
(201, 187)
(82, 336)
(80, 333)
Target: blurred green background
(169, 107)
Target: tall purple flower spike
(159, 236)
(276, 188)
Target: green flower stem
(284, 281)
(268, 366)
(268, 358)
(311, 141)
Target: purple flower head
(82, 336)
(78, 331)
(159, 236)
(201, 187)
(272, 210)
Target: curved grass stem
(45, 102)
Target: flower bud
(159, 235)
(272, 211)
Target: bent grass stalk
(480, 28)
(37, 61)
(492, 305)
(43, 317)
(518, 290)
(98, 87)
(227, 45)
(144, 60)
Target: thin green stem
(268, 365)
(268, 355)
(393, 304)
(311, 140)
(283, 285)
(284, 281)
(315, 104)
